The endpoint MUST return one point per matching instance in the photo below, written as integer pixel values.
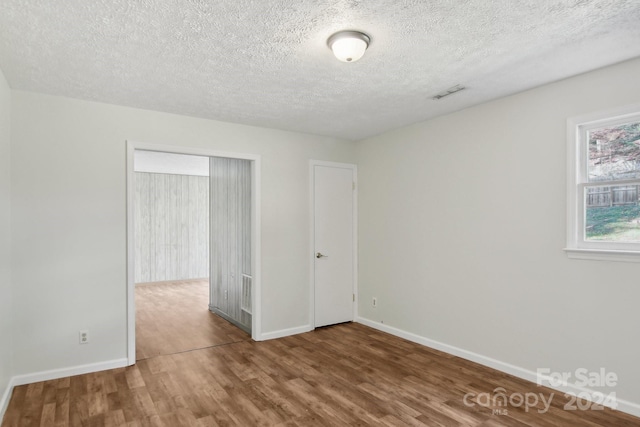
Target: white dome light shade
(348, 46)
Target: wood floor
(174, 317)
(346, 374)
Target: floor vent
(245, 304)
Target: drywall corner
(6, 299)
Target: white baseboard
(284, 332)
(525, 374)
(54, 374)
(6, 397)
(177, 282)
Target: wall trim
(176, 281)
(6, 398)
(285, 332)
(54, 374)
(625, 406)
(603, 255)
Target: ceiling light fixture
(348, 46)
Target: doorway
(240, 212)
(334, 242)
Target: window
(604, 186)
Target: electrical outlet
(374, 302)
(84, 337)
(226, 294)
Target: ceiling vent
(450, 91)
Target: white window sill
(603, 255)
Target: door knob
(319, 255)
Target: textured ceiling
(266, 63)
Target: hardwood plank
(347, 374)
(174, 317)
(48, 416)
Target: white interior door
(333, 195)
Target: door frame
(312, 265)
(132, 146)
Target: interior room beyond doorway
(172, 227)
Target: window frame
(577, 182)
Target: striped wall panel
(171, 227)
(231, 236)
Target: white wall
(6, 320)
(69, 219)
(462, 226)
